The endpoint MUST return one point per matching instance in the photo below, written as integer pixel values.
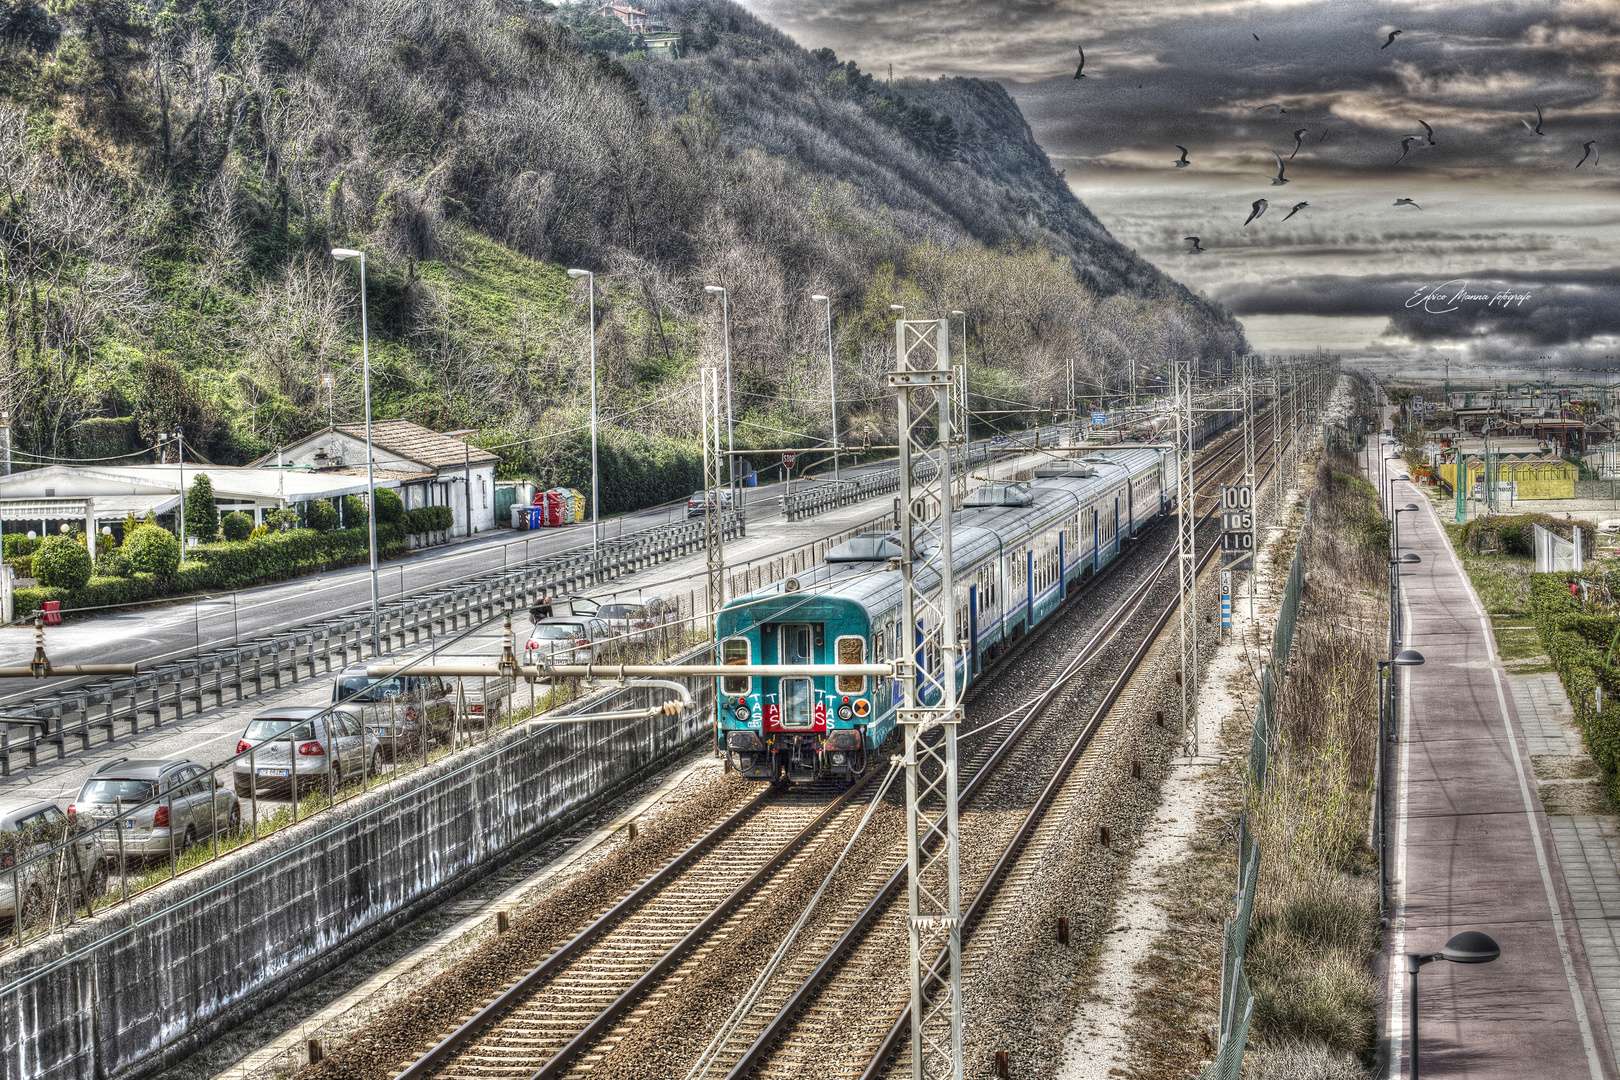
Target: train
(1018, 550)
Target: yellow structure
(1537, 478)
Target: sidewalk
(1471, 849)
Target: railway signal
(1237, 527)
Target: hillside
(173, 178)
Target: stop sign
(789, 459)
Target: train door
(1130, 506)
(973, 629)
(1096, 543)
(1029, 587)
(1063, 581)
(797, 646)
(1116, 524)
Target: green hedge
(428, 519)
(228, 565)
(17, 545)
(1578, 643)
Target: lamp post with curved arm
(343, 255)
(832, 380)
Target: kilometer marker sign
(1237, 527)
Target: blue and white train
(1018, 550)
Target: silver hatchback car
(170, 804)
(332, 748)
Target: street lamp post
(1395, 519)
(596, 517)
(725, 317)
(343, 255)
(179, 439)
(832, 380)
(1468, 947)
(1386, 734)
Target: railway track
(567, 1016)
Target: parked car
(636, 620)
(485, 699)
(700, 500)
(333, 749)
(571, 640)
(187, 806)
(30, 827)
(403, 712)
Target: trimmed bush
(17, 545)
(354, 511)
(153, 551)
(236, 526)
(202, 515)
(110, 562)
(28, 601)
(438, 518)
(390, 509)
(22, 566)
(62, 562)
(321, 515)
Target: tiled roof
(418, 443)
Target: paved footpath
(1472, 850)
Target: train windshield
(734, 651)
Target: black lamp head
(1471, 947)
(1408, 658)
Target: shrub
(354, 511)
(110, 562)
(17, 545)
(102, 591)
(23, 566)
(439, 518)
(390, 509)
(62, 562)
(28, 601)
(236, 526)
(202, 515)
(281, 518)
(321, 515)
(262, 530)
(153, 551)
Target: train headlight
(743, 714)
(845, 712)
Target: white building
(428, 468)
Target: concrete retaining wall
(132, 992)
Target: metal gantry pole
(713, 510)
(1186, 560)
(959, 425)
(929, 713)
(1249, 475)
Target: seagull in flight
(1406, 146)
(1391, 40)
(1254, 35)
(1297, 208)
(1183, 163)
(1299, 137)
(1256, 210)
(1591, 152)
(1429, 131)
(1272, 105)
(1407, 202)
(1195, 249)
(1279, 178)
(1537, 129)
(1080, 72)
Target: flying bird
(1299, 137)
(1391, 40)
(1429, 131)
(1279, 178)
(1080, 72)
(1254, 35)
(1406, 146)
(1297, 208)
(1256, 210)
(1407, 202)
(1195, 249)
(1272, 105)
(1183, 163)
(1537, 129)
(1591, 152)
(1323, 137)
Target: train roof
(858, 570)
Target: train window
(735, 650)
(879, 642)
(851, 650)
(796, 645)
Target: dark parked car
(404, 712)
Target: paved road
(1471, 850)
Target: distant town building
(634, 19)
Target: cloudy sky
(1510, 254)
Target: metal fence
(1237, 1003)
(243, 670)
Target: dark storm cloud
(1540, 308)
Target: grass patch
(1519, 643)
(1502, 582)
(1309, 962)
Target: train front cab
(795, 727)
